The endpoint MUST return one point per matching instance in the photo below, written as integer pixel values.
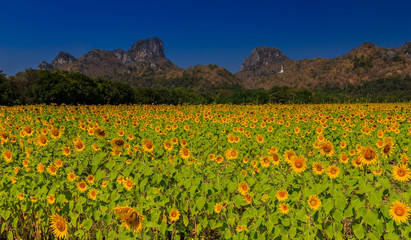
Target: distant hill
(145, 65)
(262, 69)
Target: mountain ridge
(145, 65)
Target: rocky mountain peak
(263, 56)
(147, 49)
(63, 58)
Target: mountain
(143, 65)
(267, 67)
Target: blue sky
(197, 32)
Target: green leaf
(100, 174)
(97, 159)
(358, 231)
(338, 215)
(5, 214)
(99, 235)
(370, 217)
(200, 202)
(328, 205)
(185, 220)
(87, 223)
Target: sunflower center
(387, 148)
(133, 216)
(399, 211)
(61, 226)
(149, 145)
(401, 172)
(119, 142)
(313, 202)
(333, 171)
(369, 155)
(326, 148)
(298, 164)
(174, 214)
(319, 168)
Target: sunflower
(28, 131)
(59, 226)
(148, 145)
(55, 133)
(314, 202)
(174, 215)
(95, 147)
(13, 179)
(58, 163)
(298, 164)
(231, 154)
(275, 159)
(40, 168)
(42, 140)
(100, 133)
(288, 155)
(66, 151)
(284, 208)
(128, 184)
(90, 179)
(333, 171)
(282, 195)
(265, 161)
(247, 198)
(356, 162)
(71, 176)
(388, 147)
(82, 186)
(7, 156)
(399, 211)
(51, 199)
(404, 159)
(52, 170)
(20, 196)
(377, 172)
(117, 143)
(368, 155)
(327, 148)
(168, 145)
(92, 194)
(183, 142)
(184, 153)
(240, 228)
(219, 159)
(130, 218)
(344, 158)
(243, 188)
(218, 207)
(79, 146)
(260, 139)
(318, 168)
(401, 173)
(265, 198)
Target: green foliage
(41, 86)
(7, 94)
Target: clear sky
(197, 32)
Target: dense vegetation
(41, 86)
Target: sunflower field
(205, 172)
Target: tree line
(46, 87)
